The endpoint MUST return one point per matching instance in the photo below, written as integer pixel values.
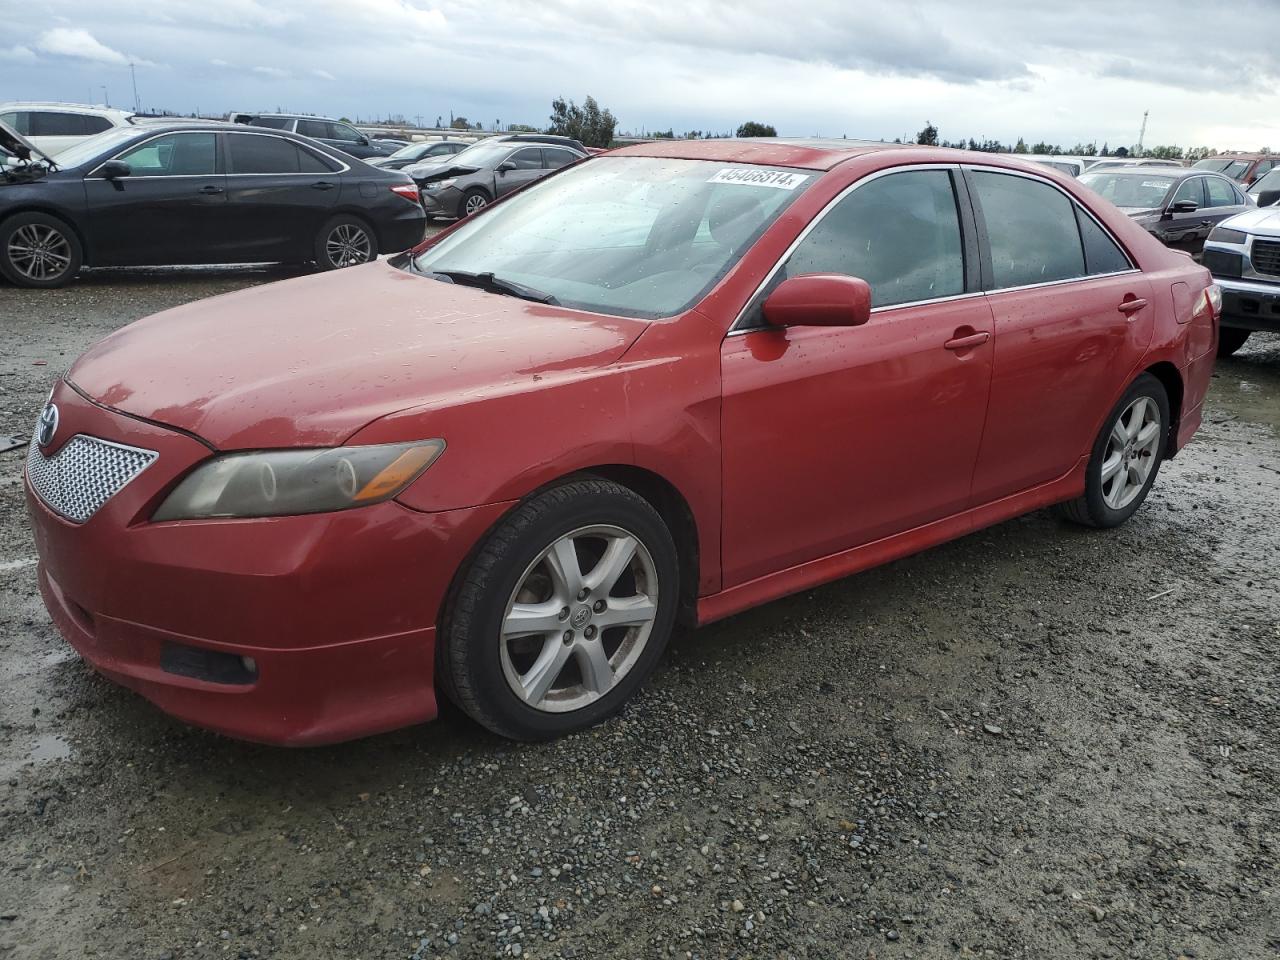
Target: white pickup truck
(1243, 254)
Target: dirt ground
(1037, 742)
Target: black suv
(332, 133)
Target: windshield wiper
(487, 281)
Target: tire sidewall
(11, 273)
(466, 197)
(1104, 515)
(481, 654)
(322, 258)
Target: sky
(1076, 71)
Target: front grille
(84, 474)
(1266, 256)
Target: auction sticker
(757, 177)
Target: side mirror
(819, 300)
(1184, 206)
(115, 169)
(363, 141)
(505, 166)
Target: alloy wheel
(474, 202)
(579, 618)
(1133, 448)
(39, 252)
(348, 245)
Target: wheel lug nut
(599, 606)
(568, 636)
(583, 593)
(589, 633)
(564, 613)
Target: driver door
(837, 436)
(528, 167)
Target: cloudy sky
(1072, 71)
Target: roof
(1152, 171)
(810, 154)
(95, 108)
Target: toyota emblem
(48, 425)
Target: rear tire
(39, 250)
(1126, 457)
(345, 241)
(1231, 339)
(562, 612)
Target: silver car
(460, 185)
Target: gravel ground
(1033, 742)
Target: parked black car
(458, 186)
(336, 134)
(1179, 206)
(195, 193)
(424, 151)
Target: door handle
(210, 189)
(322, 185)
(964, 343)
(1131, 306)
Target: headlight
(276, 483)
(1223, 235)
(441, 184)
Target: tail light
(407, 190)
(1213, 300)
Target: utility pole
(1142, 134)
(106, 101)
(133, 76)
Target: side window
(343, 132)
(1101, 255)
(1192, 189)
(275, 123)
(900, 233)
(1032, 230)
(1261, 170)
(555, 158)
(254, 153)
(314, 128)
(49, 124)
(1221, 193)
(96, 124)
(309, 162)
(174, 155)
(18, 121)
(529, 158)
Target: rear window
(1032, 230)
(254, 153)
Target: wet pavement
(1037, 741)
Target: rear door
(1071, 321)
(168, 210)
(279, 194)
(1223, 199)
(528, 167)
(837, 436)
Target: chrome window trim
(735, 329)
(204, 176)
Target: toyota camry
(652, 390)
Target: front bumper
(1250, 304)
(337, 611)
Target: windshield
(629, 236)
(1269, 182)
(1232, 168)
(1140, 191)
(412, 152)
(86, 150)
(483, 154)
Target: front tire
(1126, 457)
(39, 250)
(473, 201)
(345, 241)
(562, 613)
(1230, 340)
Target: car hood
(439, 170)
(1262, 221)
(16, 145)
(308, 362)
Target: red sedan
(661, 386)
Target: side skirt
(813, 573)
